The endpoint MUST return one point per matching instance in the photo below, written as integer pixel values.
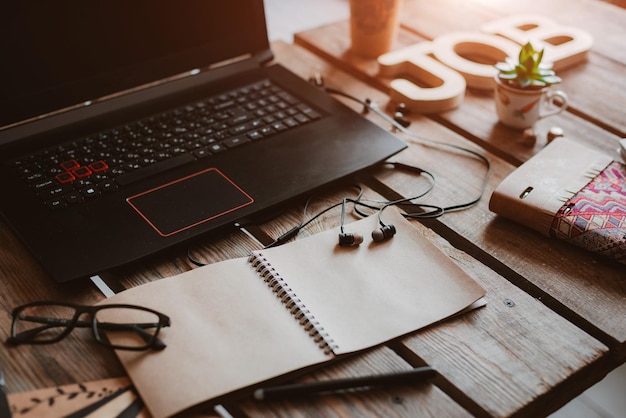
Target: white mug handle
(556, 101)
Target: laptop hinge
(229, 61)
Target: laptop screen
(60, 53)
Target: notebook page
(365, 295)
(228, 331)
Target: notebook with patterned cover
(570, 192)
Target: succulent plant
(528, 72)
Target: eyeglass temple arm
(28, 334)
(31, 333)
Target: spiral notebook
(244, 321)
(569, 192)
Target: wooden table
(555, 322)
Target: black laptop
(131, 126)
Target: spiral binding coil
(295, 306)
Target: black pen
(349, 384)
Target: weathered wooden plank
(605, 22)
(26, 367)
(602, 73)
(514, 356)
(204, 250)
(79, 358)
(571, 275)
(596, 117)
(619, 3)
(419, 400)
(491, 331)
(56, 364)
(586, 284)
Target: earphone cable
(434, 212)
(367, 104)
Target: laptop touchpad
(189, 201)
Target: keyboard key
(35, 177)
(83, 168)
(215, 148)
(56, 191)
(312, 114)
(140, 174)
(74, 198)
(38, 187)
(90, 192)
(201, 153)
(107, 186)
(65, 177)
(235, 141)
(267, 130)
(98, 166)
(69, 165)
(279, 126)
(301, 118)
(59, 203)
(291, 122)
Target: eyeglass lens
(126, 327)
(43, 323)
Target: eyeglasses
(117, 326)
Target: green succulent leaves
(528, 71)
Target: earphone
(347, 239)
(436, 210)
(383, 233)
(400, 123)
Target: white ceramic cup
(521, 109)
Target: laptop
(130, 127)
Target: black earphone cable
(437, 211)
(434, 212)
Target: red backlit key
(70, 165)
(81, 172)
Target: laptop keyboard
(92, 166)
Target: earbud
(317, 80)
(386, 232)
(350, 240)
(400, 113)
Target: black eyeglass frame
(151, 339)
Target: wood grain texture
(607, 58)
(589, 289)
(619, 3)
(512, 350)
(22, 280)
(551, 327)
(588, 286)
(589, 117)
(542, 338)
(419, 400)
(602, 20)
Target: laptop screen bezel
(246, 37)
